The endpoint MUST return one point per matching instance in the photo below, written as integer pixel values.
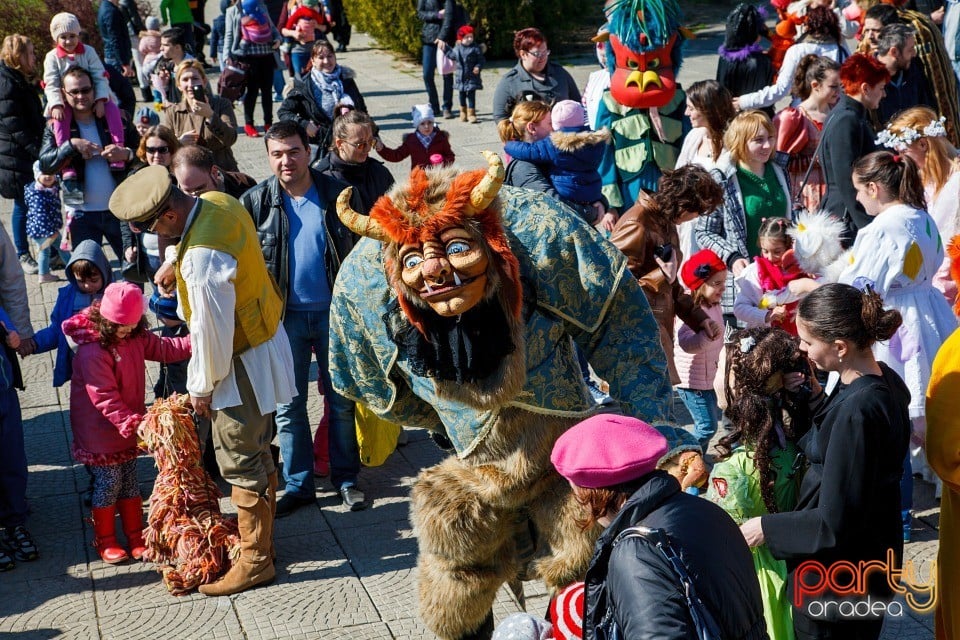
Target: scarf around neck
(329, 89)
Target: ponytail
(896, 173)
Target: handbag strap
(706, 625)
(815, 160)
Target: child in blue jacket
(88, 274)
(570, 157)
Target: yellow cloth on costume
(376, 437)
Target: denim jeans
(702, 405)
(46, 247)
(19, 223)
(429, 69)
(308, 332)
(298, 61)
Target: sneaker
(28, 264)
(47, 278)
(72, 193)
(289, 502)
(353, 498)
(17, 541)
(251, 131)
(447, 114)
(6, 562)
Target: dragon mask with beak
(445, 247)
(643, 51)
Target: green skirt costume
(735, 487)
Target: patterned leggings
(112, 482)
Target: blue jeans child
(702, 405)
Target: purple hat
(606, 450)
(568, 115)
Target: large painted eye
(457, 246)
(412, 260)
(654, 63)
(633, 64)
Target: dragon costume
(461, 312)
(644, 106)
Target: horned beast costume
(464, 320)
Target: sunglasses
(539, 55)
(360, 146)
(79, 92)
(164, 149)
(143, 227)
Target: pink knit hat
(122, 303)
(606, 450)
(568, 114)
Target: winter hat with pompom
(422, 112)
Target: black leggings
(259, 80)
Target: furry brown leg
(555, 516)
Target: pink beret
(606, 450)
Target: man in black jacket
(91, 152)
(847, 136)
(303, 244)
(896, 50)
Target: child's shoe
(131, 517)
(105, 535)
(463, 113)
(72, 192)
(471, 115)
(47, 278)
(17, 542)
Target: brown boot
(471, 115)
(254, 565)
(463, 114)
(272, 483)
(131, 518)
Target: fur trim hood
(570, 141)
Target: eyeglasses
(163, 149)
(79, 92)
(539, 55)
(360, 146)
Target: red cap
(464, 30)
(700, 267)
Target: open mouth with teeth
(435, 291)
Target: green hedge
(395, 26)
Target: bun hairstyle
(811, 68)
(753, 387)
(896, 173)
(841, 312)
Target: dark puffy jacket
(641, 587)
(265, 204)
(21, 130)
(301, 106)
(434, 26)
(369, 180)
(52, 157)
(112, 23)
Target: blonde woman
(529, 121)
(754, 188)
(920, 135)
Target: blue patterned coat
(582, 293)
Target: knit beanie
(146, 116)
(152, 23)
(566, 611)
(523, 626)
(420, 113)
(744, 25)
(568, 115)
(465, 30)
(64, 23)
(122, 303)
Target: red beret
(606, 450)
(700, 267)
(464, 30)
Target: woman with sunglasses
(534, 77)
(157, 147)
(348, 159)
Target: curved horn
(358, 223)
(487, 189)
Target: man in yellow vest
(241, 365)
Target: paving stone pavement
(341, 574)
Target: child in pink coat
(107, 405)
(694, 354)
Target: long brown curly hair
(108, 329)
(757, 358)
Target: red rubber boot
(105, 535)
(131, 517)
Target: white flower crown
(909, 135)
